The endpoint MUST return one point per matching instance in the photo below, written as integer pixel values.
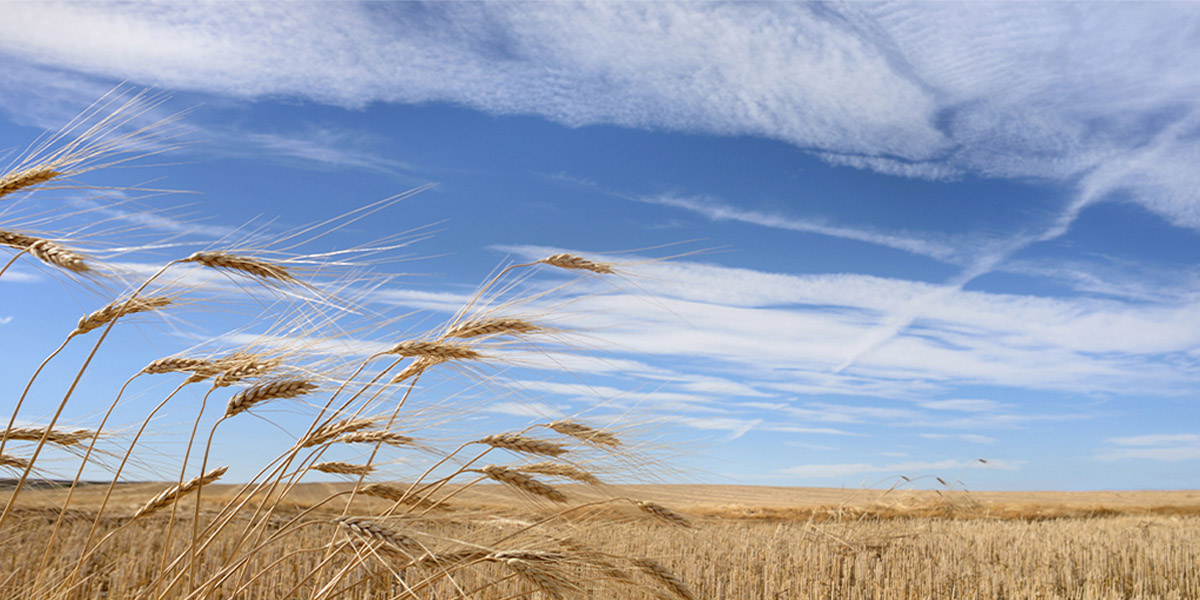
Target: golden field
(744, 543)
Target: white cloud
(964, 405)
(1169, 447)
(919, 90)
(965, 437)
(5, 320)
(910, 469)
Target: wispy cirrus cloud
(791, 333)
(925, 90)
(909, 469)
(1168, 447)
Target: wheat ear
(119, 309)
(343, 468)
(242, 264)
(376, 437)
(46, 251)
(330, 431)
(238, 367)
(491, 326)
(662, 513)
(174, 493)
(573, 262)
(55, 436)
(520, 443)
(417, 367)
(433, 350)
(664, 576)
(380, 532)
(18, 180)
(395, 494)
(551, 584)
(560, 470)
(523, 482)
(271, 390)
(585, 433)
(16, 462)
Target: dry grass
(1112, 554)
(447, 526)
(190, 538)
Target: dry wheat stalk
(663, 513)
(383, 550)
(585, 433)
(244, 264)
(417, 367)
(560, 470)
(520, 443)
(56, 436)
(329, 431)
(343, 468)
(664, 576)
(491, 326)
(19, 180)
(16, 462)
(445, 560)
(380, 532)
(571, 261)
(119, 309)
(46, 251)
(439, 351)
(528, 556)
(200, 368)
(174, 493)
(550, 583)
(376, 437)
(238, 367)
(395, 494)
(271, 390)
(523, 482)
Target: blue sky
(914, 235)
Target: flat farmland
(742, 542)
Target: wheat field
(377, 487)
(749, 542)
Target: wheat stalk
(119, 309)
(271, 390)
(434, 350)
(491, 326)
(55, 436)
(238, 367)
(380, 532)
(178, 364)
(18, 180)
(242, 264)
(174, 493)
(664, 576)
(523, 482)
(16, 462)
(553, 585)
(585, 433)
(520, 443)
(560, 470)
(571, 261)
(343, 468)
(662, 513)
(395, 494)
(46, 251)
(330, 431)
(376, 437)
(417, 367)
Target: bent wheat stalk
(172, 494)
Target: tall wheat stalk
(422, 536)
